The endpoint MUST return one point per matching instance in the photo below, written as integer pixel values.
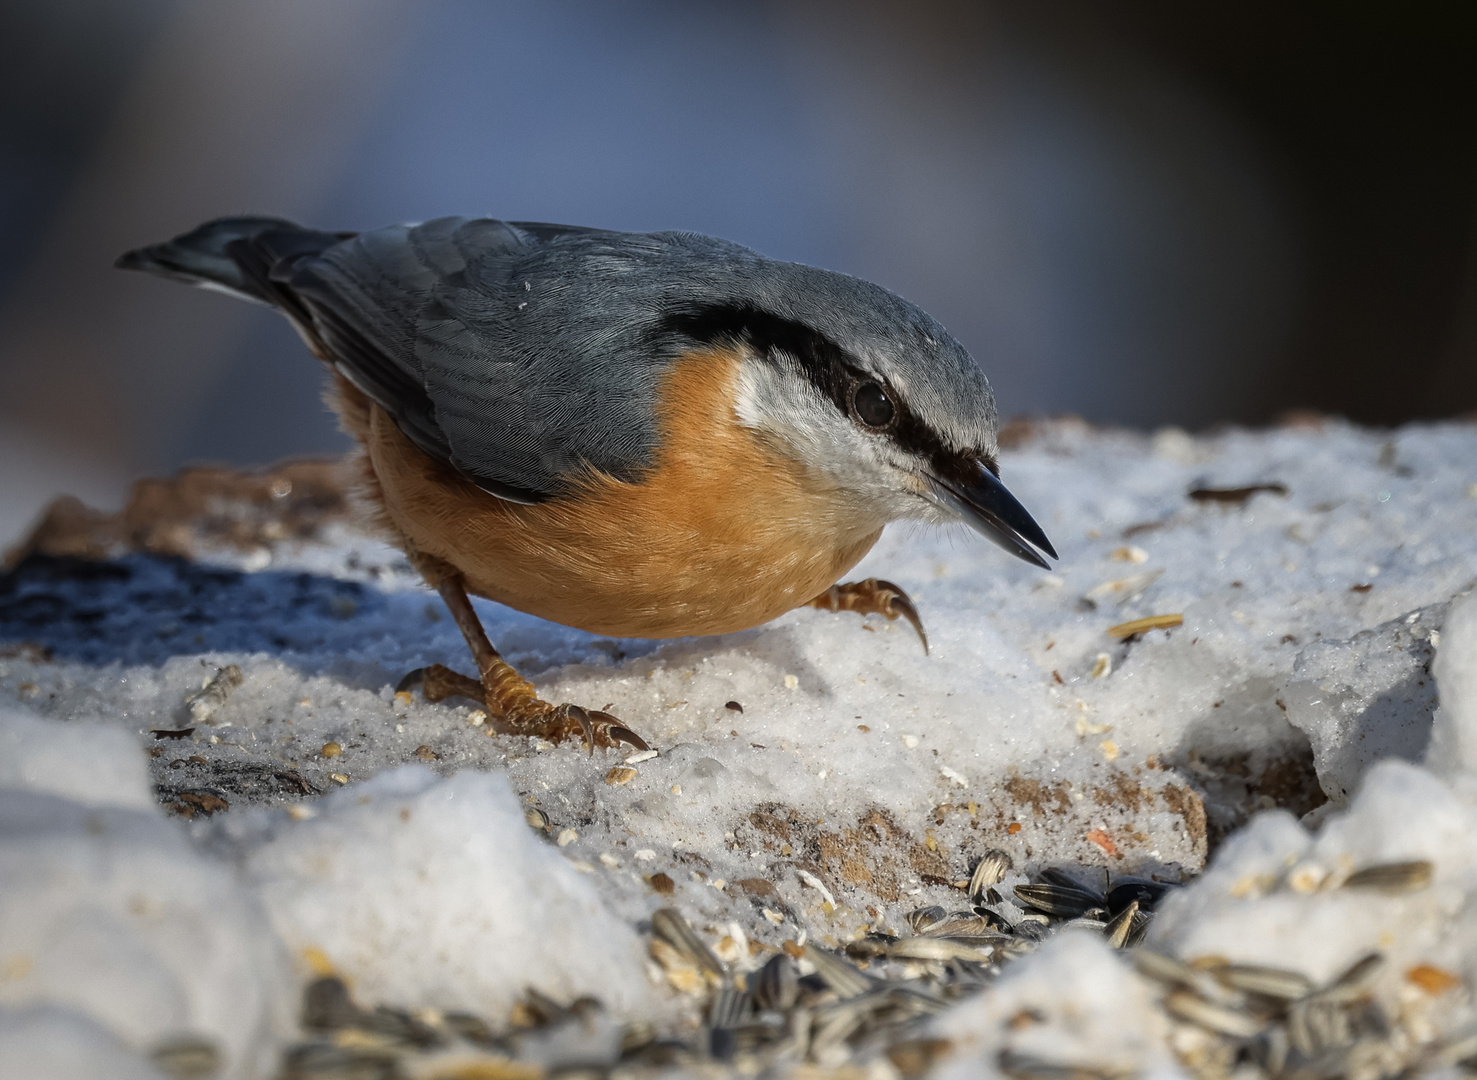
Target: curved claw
(616, 732)
(411, 680)
(582, 718)
(899, 603)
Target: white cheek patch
(784, 406)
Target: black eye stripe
(829, 367)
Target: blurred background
(1144, 212)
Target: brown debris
(199, 507)
(192, 803)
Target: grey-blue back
(525, 354)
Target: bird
(647, 435)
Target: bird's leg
(513, 705)
(871, 597)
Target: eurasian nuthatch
(638, 434)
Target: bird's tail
(243, 256)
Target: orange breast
(723, 534)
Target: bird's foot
(515, 708)
(872, 597)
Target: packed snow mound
(114, 914)
(436, 893)
(87, 762)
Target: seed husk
(1268, 981)
(669, 925)
(1219, 1018)
(988, 872)
(935, 948)
(1147, 893)
(920, 919)
(836, 973)
(776, 984)
(1400, 877)
(1121, 925)
(1063, 901)
(1020, 1066)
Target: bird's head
(870, 391)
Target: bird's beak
(993, 512)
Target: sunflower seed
(1267, 981)
(777, 984)
(214, 694)
(1213, 1017)
(1121, 925)
(836, 973)
(669, 925)
(1063, 901)
(930, 948)
(1140, 929)
(1398, 877)
(187, 1057)
(961, 922)
(1147, 893)
(1029, 1067)
(920, 919)
(988, 872)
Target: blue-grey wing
(493, 347)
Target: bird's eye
(872, 406)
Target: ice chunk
(436, 893)
(1454, 743)
(113, 913)
(90, 763)
(1365, 699)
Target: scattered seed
(331, 750)
(1211, 1016)
(838, 974)
(989, 872)
(567, 837)
(1121, 925)
(1149, 622)
(641, 755)
(1398, 877)
(733, 706)
(1064, 901)
(815, 883)
(776, 984)
(214, 694)
(662, 884)
(620, 776)
(476, 717)
(1267, 981)
(537, 818)
(669, 925)
(425, 753)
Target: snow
(436, 891)
(860, 779)
(112, 914)
(86, 762)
